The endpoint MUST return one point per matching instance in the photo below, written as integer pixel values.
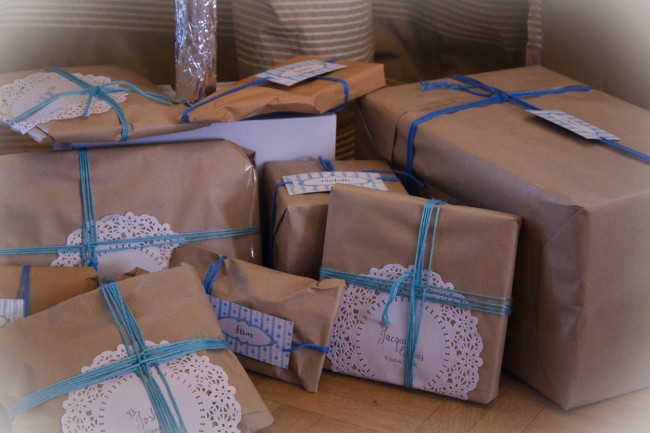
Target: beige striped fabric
(414, 39)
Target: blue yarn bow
(102, 92)
(140, 360)
(492, 95)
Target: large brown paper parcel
(145, 116)
(168, 306)
(579, 328)
(139, 191)
(459, 351)
(311, 306)
(314, 96)
(47, 285)
(299, 226)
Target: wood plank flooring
(346, 404)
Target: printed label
(296, 72)
(307, 183)
(574, 124)
(254, 334)
(10, 311)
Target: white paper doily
(205, 399)
(449, 348)
(112, 264)
(25, 93)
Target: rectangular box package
(581, 312)
(122, 208)
(298, 232)
(375, 239)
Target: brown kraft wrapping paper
(47, 285)
(314, 96)
(48, 347)
(311, 305)
(474, 251)
(145, 117)
(578, 332)
(138, 191)
(299, 229)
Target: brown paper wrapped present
(295, 242)
(211, 389)
(309, 304)
(579, 330)
(168, 194)
(242, 99)
(463, 321)
(62, 120)
(47, 285)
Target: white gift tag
(573, 124)
(254, 334)
(307, 183)
(10, 311)
(294, 73)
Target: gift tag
(10, 311)
(294, 73)
(307, 183)
(254, 334)
(573, 124)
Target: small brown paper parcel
(462, 323)
(311, 306)
(579, 332)
(211, 389)
(170, 194)
(62, 120)
(313, 96)
(47, 285)
(295, 242)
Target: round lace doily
(24, 93)
(121, 405)
(449, 348)
(112, 264)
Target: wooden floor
(349, 405)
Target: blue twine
(209, 99)
(411, 285)
(271, 236)
(23, 289)
(346, 91)
(297, 346)
(211, 274)
(90, 246)
(102, 92)
(139, 360)
(492, 95)
(326, 164)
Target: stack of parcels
(87, 104)
(297, 217)
(578, 332)
(303, 84)
(279, 324)
(120, 208)
(452, 267)
(26, 290)
(97, 361)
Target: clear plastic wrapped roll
(196, 48)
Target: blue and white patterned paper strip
(573, 124)
(254, 334)
(10, 310)
(307, 183)
(294, 73)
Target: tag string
(140, 360)
(102, 92)
(91, 246)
